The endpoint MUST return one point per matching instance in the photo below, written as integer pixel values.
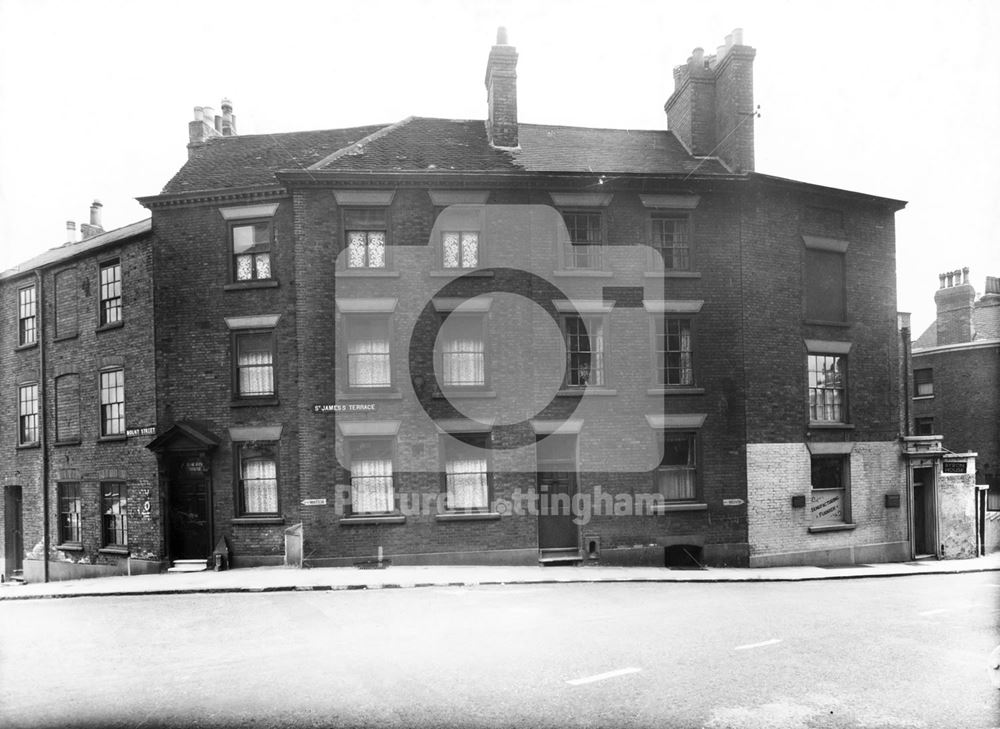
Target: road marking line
(935, 612)
(602, 676)
(757, 645)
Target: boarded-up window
(67, 308)
(825, 299)
(67, 408)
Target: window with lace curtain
(254, 365)
(365, 238)
(371, 467)
(466, 472)
(251, 243)
(674, 363)
(462, 351)
(677, 475)
(369, 354)
(257, 466)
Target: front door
(923, 512)
(188, 509)
(13, 537)
(557, 483)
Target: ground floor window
(371, 477)
(466, 473)
(677, 474)
(115, 515)
(830, 489)
(69, 513)
(993, 498)
(258, 486)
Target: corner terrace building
(453, 341)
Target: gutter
(43, 410)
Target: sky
(896, 99)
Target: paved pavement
(284, 579)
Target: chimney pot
(941, 277)
(737, 36)
(501, 36)
(70, 231)
(965, 275)
(95, 213)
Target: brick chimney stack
(501, 93)
(95, 227)
(208, 124)
(955, 300)
(711, 110)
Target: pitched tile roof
(242, 161)
(68, 250)
(422, 144)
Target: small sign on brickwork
(351, 407)
(144, 430)
(732, 502)
(953, 466)
(314, 502)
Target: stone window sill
(25, 347)
(583, 273)
(28, 446)
(246, 285)
(362, 395)
(823, 425)
(587, 391)
(70, 547)
(672, 274)
(112, 438)
(676, 391)
(373, 519)
(108, 327)
(361, 273)
(455, 272)
(669, 508)
(923, 397)
(820, 528)
(255, 402)
(467, 516)
(124, 551)
(257, 520)
(470, 394)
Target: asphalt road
(879, 653)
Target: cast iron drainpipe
(43, 441)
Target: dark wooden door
(923, 511)
(556, 491)
(557, 483)
(189, 528)
(13, 538)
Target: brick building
(499, 342)
(955, 394)
(77, 397)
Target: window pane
(69, 512)
(371, 477)
(585, 349)
(376, 250)
(466, 475)
(450, 242)
(27, 397)
(827, 387)
(113, 402)
(255, 364)
(27, 330)
(251, 238)
(368, 353)
(111, 293)
(470, 250)
(259, 479)
(114, 512)
(463, 353)
(670, 237)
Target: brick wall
(779, 533)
